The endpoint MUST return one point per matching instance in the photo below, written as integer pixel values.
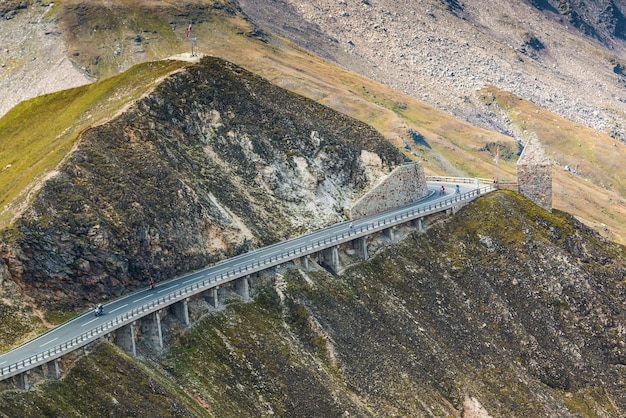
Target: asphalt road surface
(228, 270)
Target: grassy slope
(31, 149)
(38, 134)
(453, 147)
(596, 193)
(597, 156)
(18, 326)
(104, 383)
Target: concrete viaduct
(141, 313)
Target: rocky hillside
(504, 310)
(33, 59)
(567, 56)
(215, 161)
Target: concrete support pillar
(331, 258)
(388, 232)
(418, 223)
(21, 380)
(214, 297)
(304, 262)
(53, 369)
(362, 247)
(242, 288)
(181, 311)
(151, 329)
(125, 339)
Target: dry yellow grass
(456, 147)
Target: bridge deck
(86, 328)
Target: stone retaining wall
(404, 185)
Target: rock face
(214, 162)
(442, 51)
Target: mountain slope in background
(566, 56)
(564, 59)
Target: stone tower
(534, 174)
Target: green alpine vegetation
(38, 134)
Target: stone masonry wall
(534, 174)
(404, 185)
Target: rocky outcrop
(9, 8)
(212, 163)
(603, 20)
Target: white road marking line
(87, 323)
(118, 308)
(52, 340)
(3, 362)
(196, 278)
(166, 289)
(137, 300)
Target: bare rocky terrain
(184, 178)
(33, 57)
(566, 56)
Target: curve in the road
(86, 328)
